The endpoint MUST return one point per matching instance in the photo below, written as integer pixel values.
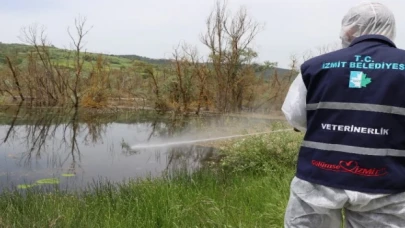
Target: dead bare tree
(185, 65)
(179, 63)
(229, 40)
(48, 87)
(77, 40)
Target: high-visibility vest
(355, 136)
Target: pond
(73, 149)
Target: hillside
(60, 56)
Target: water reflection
(57, 128)
(52, 142)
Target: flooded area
(73, 149)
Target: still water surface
(79, 148)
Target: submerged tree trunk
(15, 76)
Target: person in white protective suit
(316, 199)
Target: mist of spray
(147, 146)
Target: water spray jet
(148, 146)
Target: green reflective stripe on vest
(353, 149)
(357, 107)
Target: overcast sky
(153, 28)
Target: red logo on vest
(351, 167)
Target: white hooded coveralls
(313, 205)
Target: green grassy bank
(248, 188)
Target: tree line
(227, 80)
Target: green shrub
(263, 153)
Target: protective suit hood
(367, 18)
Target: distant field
(63, 57)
